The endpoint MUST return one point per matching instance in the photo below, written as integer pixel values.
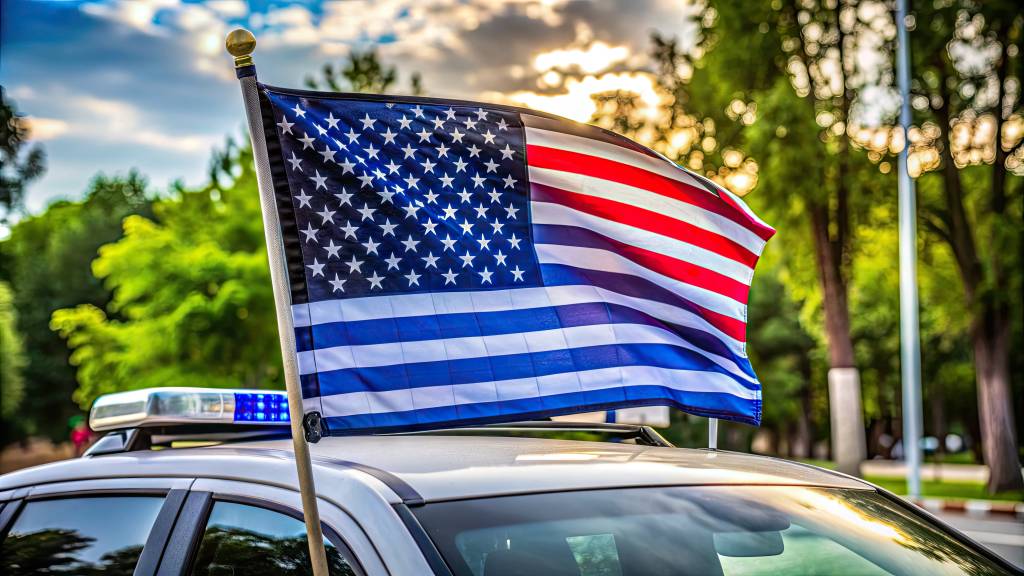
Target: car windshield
(709, 530)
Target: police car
(193, 481)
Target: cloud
(41, 129)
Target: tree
(363, 72)
(16, 169)
(12, 357)
(966, 90)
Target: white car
(192, 481)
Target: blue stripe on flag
(709, 404)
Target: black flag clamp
(313, 428)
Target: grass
(947, 490)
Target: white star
(375, 280)
(485, 276)
(408, 151)
(511, 211)
(449, 212)
(392, 167)
(366, 212)
(344, 197)
(460, 165)
(449, 243)
(337, 284)
(332, 250)
(502, 125)
(371, 152)
(471, 124)
(478, 181)
(442, 150)
(299, 112)
(347, 167)
(350, 230)
(296, 162)
(388, 227)
(450, 277)
(446, 181)
(410, 210)
(327, 215)
(310, 232)
(332, 122)
(320, 129)
(449, 114)
(497, 226)
(492, 166)
(371, 246)
(467, 228)
(404, 123)
(510, 182)
(431, 197)
(352, 136)
(488, 137)
(484, 242)
(328, 154)
(429, 226)
(431, 260)
(517, 274)
(500, 256)
(495, 196)
(339, 143)
(438, 123)
(355, 265)
(393, 261)
(413, 278)
(465, 196)
(424, 135)
(321, 181)
(307, 141)
(473, 151)
(506, 153)
(411, 181)
(467, 259)
(417, 111)
(367, 122)
(316, 267)
(481, 211)
(514, 242)
(428, 166)
(286, 126)
(303, 199)
(386, 196)
(457, 136)
(389, 136)
(367, 180)
(410, 244)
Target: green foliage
(12, 356)
(16, 169)
(192, 304)
(363, 72)
(47, 261)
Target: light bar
(170, 406)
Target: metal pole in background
(240, 43)
(910, 344)
(712, 433)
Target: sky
(146, 84)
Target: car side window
(89, 535)
(243, 539)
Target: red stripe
(645, 220)
(577, 163)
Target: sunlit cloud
(42, 129)
(576, 99)
(590, 60)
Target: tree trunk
(991, 335)
(848, 446)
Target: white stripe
(615, 191)
(608, 261)
(613, 152)
(370, 355)
(462, 394)
(557, 214)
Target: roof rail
(643, 435)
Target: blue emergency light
(178, 406)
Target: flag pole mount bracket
(241, 43)
(313, 427)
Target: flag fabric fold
(456, 263)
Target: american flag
(458, 263)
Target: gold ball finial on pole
(241, 44)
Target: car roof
(428, 468)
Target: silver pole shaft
(712, 433)
(282, 301)
(910, 345)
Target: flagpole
(240, 43)
(712, 433)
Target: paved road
(1003, 534)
